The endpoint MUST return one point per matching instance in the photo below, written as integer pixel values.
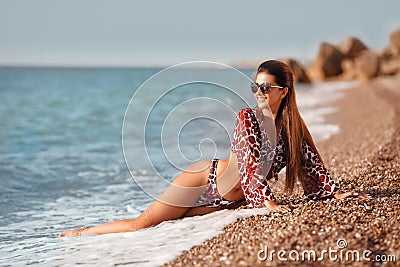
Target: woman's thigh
(178, 198)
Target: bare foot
(74, 232)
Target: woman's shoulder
(245, 111)
(246, 116)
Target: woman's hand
(273, 206)
(352, 194)
(74, 232)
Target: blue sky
(145, 33)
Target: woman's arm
(318, 182)
(247, 146)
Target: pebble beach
(364, 157)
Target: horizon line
(237, 64)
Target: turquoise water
(61, 157)
(60, 151)
(55, 124)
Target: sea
(85, 146)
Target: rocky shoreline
(363, 156)
(350, 60)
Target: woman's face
(274, 97)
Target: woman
(254, 159)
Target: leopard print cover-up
(254, 156)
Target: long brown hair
(294, 128)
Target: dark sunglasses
(264, 87)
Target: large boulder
(387, 53)
(390, 66)
(349, 70)
(395, 41)
(351, 47)
(367, 65)
(297, 69)
(327, 63)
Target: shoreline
(362, 156)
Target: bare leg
(174, 203)
(205, 210)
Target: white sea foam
(148, 247)
(315, 104)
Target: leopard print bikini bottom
(210, 196)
